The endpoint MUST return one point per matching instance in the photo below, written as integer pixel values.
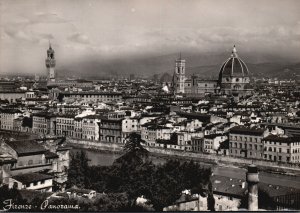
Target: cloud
(46, 36)
(47, 18)
(79, 38)
(20, 35)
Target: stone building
(32, 165)
(247, 142)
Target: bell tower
(179, 75)
(50, 64)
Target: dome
(166, 77)
(234, 67)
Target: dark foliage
(6, 193)
(136, 175)
(78, 171)
(134, 152)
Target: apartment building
(247, 142)
(211, 143)
(44, 123)
(129, 125)
(282, 148)
(78, 127)
(7, 117)
(90, 127)
(65, 125)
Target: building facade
(282, 148)
(247, 142)
(7, 118)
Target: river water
(107, 159)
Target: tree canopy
(134, 174)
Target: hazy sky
(108, 29)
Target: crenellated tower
(50, 64)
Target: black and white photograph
(139, 105)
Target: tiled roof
(31, 177)
(246, 131)
(49, 155)
(233, 186)
(282, 139)
(26, 147)
(230, 186)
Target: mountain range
(203, 65)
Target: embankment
(268, 166)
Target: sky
(104, 30)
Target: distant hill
(204, 65)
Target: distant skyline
(102, 31)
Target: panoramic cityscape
(149, 106)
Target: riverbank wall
(267, 166)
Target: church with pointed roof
(234, 79)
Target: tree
(134, 174)
(134, 152)
(78, 173)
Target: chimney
(252, 180)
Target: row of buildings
(187, 131)
(234, 115)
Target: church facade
(234, 79)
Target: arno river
(106, 159)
